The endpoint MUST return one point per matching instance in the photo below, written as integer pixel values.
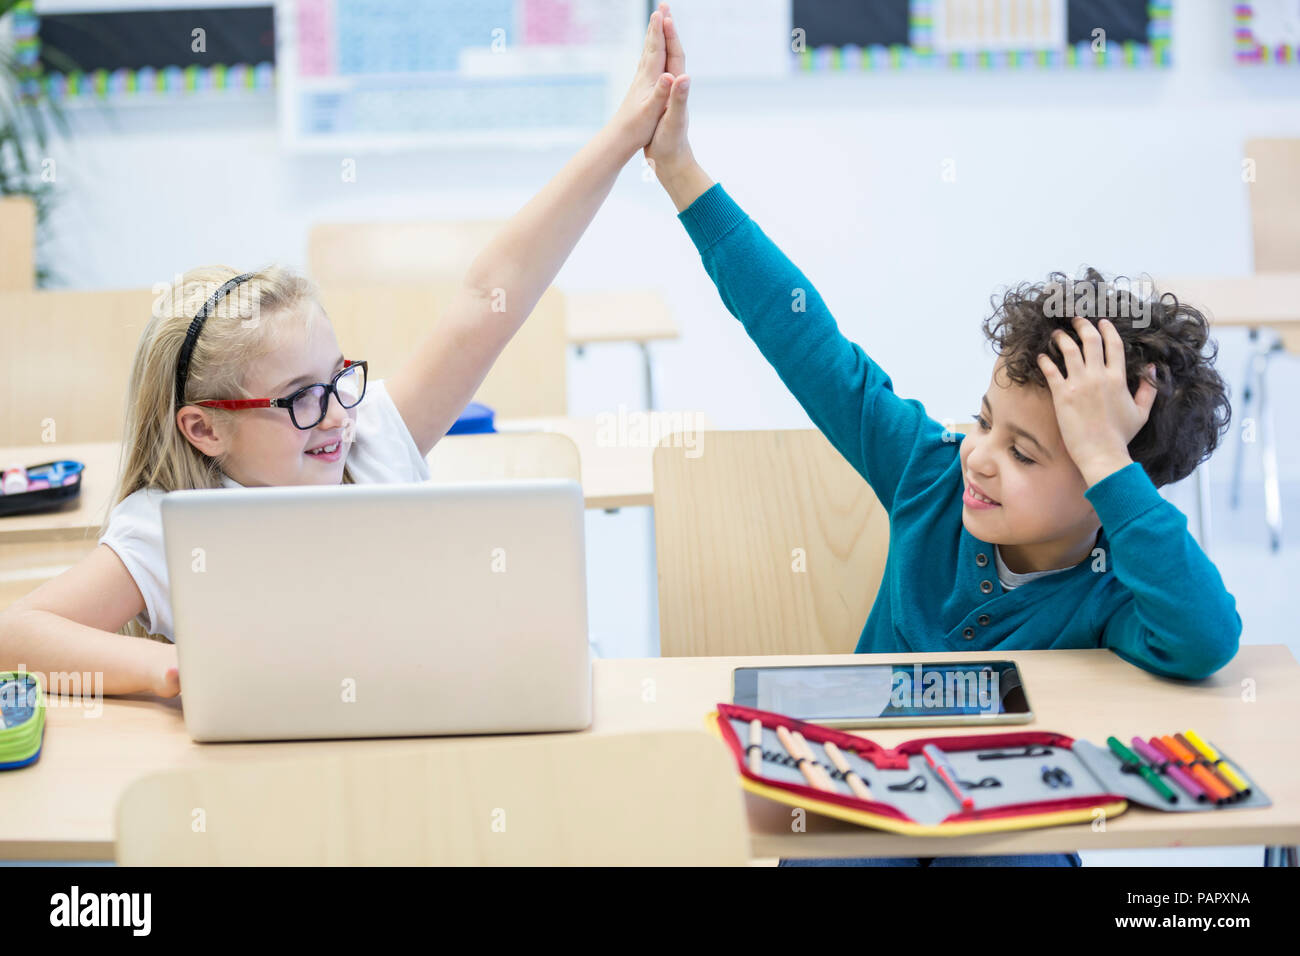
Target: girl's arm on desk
(66, 626)
(847, 395)
(508, 277)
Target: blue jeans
(1034, 859)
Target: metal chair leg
(1247, 395)
(1280, 856)
(1272, 492)
(1203, 505)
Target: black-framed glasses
(308, 405)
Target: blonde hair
(247, 324)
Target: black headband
(192, 336)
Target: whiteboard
(360, 75)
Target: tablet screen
(883, 690)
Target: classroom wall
(1128, 172)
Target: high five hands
(654, 111)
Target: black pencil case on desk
(909, 797)
(45, 499)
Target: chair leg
(1272, 492)
(1203, 505)
(1280, 856)
(1247, 395)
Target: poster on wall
(980, 34)
(1267, 31)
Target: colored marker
(1221, 792)
(1169, 757)
(939, 763)
(1210, 753)
(1180, 776)
(1150, 776)
(1215, 794)
(1237, 792)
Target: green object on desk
(22, 719)
(1150, 776)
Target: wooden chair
(17, 244)
(426, 251)
(505, 456)
(662, 798)
(380, 322)
(66, 363)
(1275, 204)
(768, 542)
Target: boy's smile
(1021, 490)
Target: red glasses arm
(235, 404)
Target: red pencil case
(1015, 780)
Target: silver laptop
(379, 610)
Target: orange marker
(1220, 791)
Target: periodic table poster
(384, 74)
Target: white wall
(1128, 172)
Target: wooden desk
(641, 317)
(62, 806)
(1266, 300)
(617, 467)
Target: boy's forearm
(45, 644)
(684, 183)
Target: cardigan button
(968, 633)
(983, 619)
(986, 586)
(981, 559)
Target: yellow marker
(1221, 765)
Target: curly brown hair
(1191, 411)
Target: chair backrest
(662, 798)
(381, 322)
(66, 362)
(1275, 204)
(67, 356)
(428, 251)
(505, 455)
(17, 243)
(768, 542)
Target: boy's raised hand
(648, 96)
(669, 151)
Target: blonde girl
(239, 380)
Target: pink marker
(1179, 775)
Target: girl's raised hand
(648, 96)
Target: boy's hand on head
(1094, 410)
(648, 96)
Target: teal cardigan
(1150, 595)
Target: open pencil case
(1002, 773)
(52, 485)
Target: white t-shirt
(1012, 579)
(382, 452)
